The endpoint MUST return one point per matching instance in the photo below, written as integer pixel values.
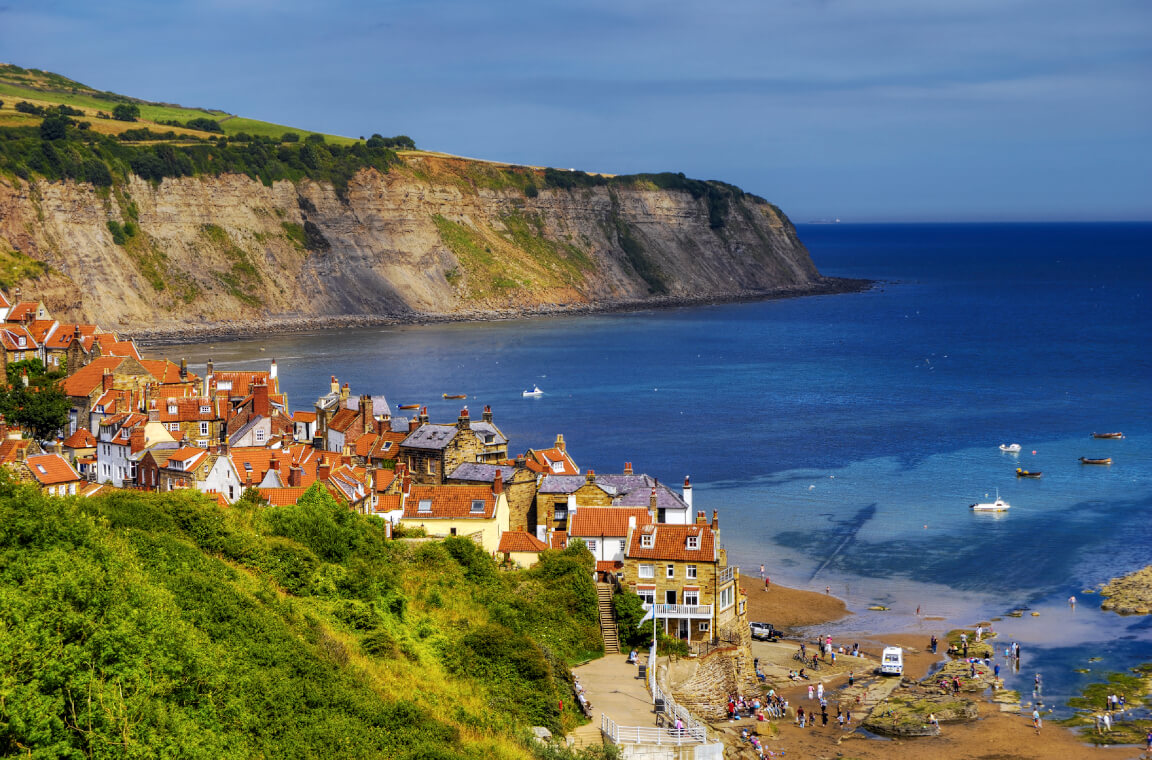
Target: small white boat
(1011, 448)
(534, 392)
(995, 506)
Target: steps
(607, 618)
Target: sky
(863, 110)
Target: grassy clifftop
(147, 625)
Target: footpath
(612, 686)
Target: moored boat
(1022, 473)
(408, 406)
(455, 395)
(534, 392)
(1010, 448)
(1107, 435)
(992, 506)
(1089, 460)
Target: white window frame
(690, 572)
(591, 544)
(647, 595)
(692, 598)
(693, 542)
(646, 541)
(647, 571)
(669, 571)
(623, 544)
(203, 428)
(703, 626)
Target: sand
(995, 736)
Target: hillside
(149, 227)
(159, 625)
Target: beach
(995, 734)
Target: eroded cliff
(437, 237)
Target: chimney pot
(498, 482)
(627, 468)
(715, 519)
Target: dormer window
(205, 409)
(693, 542)
(172, 409)
(646, 541)
(558, 467)
(489, 438)
(477, 506)
(387, 445)
(425, 505)
(21, 341)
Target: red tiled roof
(608, 566)
(62, 338)
(10, 336)
(85, 380)
(343, 419)
(388, 502)
(165, 371)
(559, 540)
(4, 302)
(671, 542)
(304, 416)
(594, 522)
(81, 439)
(450, 502)
(242, 382)
(187, 409)
(520, 541)
(51, 469)
(541, 460)
(188, 455)
(282, 497)
(109, 346)
(22, 309)
(40, 328)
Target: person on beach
(851, 679)
(933, 643)
(996, 671)
(762, 571)
(1072, 601)
(820, 690)
(979, 632)
(811, 692)
(1148, 741)
(933, 722)
(827, 589)
(765, 583)
(1036, 724)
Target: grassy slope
(147, 625)
(48, 89)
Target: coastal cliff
(434, 237)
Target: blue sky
(866, 110)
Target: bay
(843, 437)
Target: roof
(449, 502)
(88, 378)
(110, 346)
(671, 542)
(625, 490)
(62, 337)
(484, 429)
(10, 336)
(608, 565)
(187, 409)
(81, 439)
(165, 371)
(429, 436)
(542, 460)
(4, 302)
(50, 469)
(594, 522)
(343, 420)
(559, 539)
(520, 541)
(240, 382)
(190, 456)
(304, 416)
(39, 328)
(388, 502)
(485, 473)
(282, 497)
(23, 309)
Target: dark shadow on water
(844, 534)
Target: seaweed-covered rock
(1130, 595)
(907, 712)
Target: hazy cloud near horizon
(890, 109)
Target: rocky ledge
(1130, 595)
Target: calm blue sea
(843, 437)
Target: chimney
(487, 416)
(715, 519)
(58, 447)
(688, 492)
(344, 392)
(590, 477)
(209, 368)
(498, 482)
(136, 440)
(423, 416)
(260, 404)
(631, 523)
(366, 413)
(413, 424)
(106, 380)
(183, 370)
(463, 422)
(521, 462)
(76, 333)
(318, 442)
(335, 384)
(382, 426)
(323, 470)
(652, 500)
(560, 442)
(295, 476)
(272, 371)
(627, 468)
(701, 517)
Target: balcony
(691, 611)
(726, 575)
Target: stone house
(432, 451)
(559, 495)
(198, 418)
(605, 531)
(520, 548)
(53, 474)
(187, 467)
(474, 511)
(681, 572)
(519, 485)
(553, 461)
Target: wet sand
(995, 735)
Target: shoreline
(995, 733)
(241, 329)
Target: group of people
(808, 719)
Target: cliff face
(438, 236)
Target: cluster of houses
(150, 424)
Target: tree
(54, 127)
(126, 112)
(41, 407)
(290, 137)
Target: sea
(842, 438)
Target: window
(489, 438)
(174, 426)
(557, 467)
(205, 410)
(203, 428)
(726, 597)
(692, 597)
(647, 595)
(477, 506)
(690, 571)
(425, 505)
(669, 571)
(591, 544)
(670, 596)
(171, 409)
(703, 626)
(647, 571)
(22, 341)
(693, 542)
(430, 467)
(202, 443)
(623, 544)
(646, 541)
(260, 436)
(387, 445)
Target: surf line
(853, 527)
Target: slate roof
(429, 436)
(670, 542)
(612, 522)
(398, 425)
(450, 502)
(485, 473)
(51, 469)
(625, 490)
(483, 429)
(561, 483)
(520, 541)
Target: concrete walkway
(613, 687)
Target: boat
(455, 395)
(1107, 435)
(1022, 473)
(1011, 448)
(994, 506)
(533, 393)
(408, 406)
(1089, 460)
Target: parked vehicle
(892, 661)
(764, 632)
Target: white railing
(680, 610)
(645, 735)
(726, 575)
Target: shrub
(126, 112)
(25, 107)
(314, 138)
(530, 190)
(54, 127)
(290, 137)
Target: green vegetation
(473, 253)
(148, 625)
(635, 253)
(564, 260)
(40, 407)
(243, 276)
(1135, 686)
(295, 233)
(16, 267)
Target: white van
(892, 661)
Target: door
(669, 597)
(684, 623)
